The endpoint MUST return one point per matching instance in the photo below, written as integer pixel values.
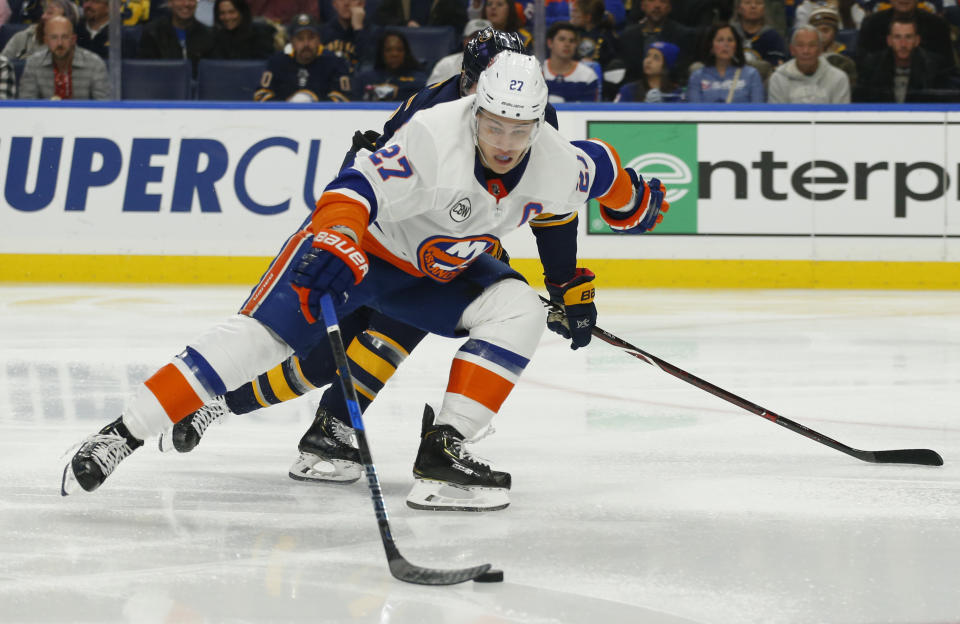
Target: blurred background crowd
(657, 51)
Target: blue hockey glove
(648, 206)
(579, 315)
(333, 265)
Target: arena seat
(8, 30)
(848, 38)
(149, 79)
(429, 43)
(228, 80)
(130, 41)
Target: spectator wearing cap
(850, 13)
(350, 34)
(568, 80)
(236, 35)
(62, 71)
(31, 39)
(450, 65)
(415, 13)
(92, 31)
(308, 73)
(932, 30)
(826, 20)
(656, 86)
(806, 79)
(177, 35)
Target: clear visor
(503, 133)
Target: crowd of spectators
(656, 51)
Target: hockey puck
(490, 576)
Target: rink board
(761, 196)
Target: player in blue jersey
(377, 343)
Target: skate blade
(165, 443)
(309, 467)
(69, 484)
(443, 496)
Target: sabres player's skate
(448, 478)
(185, 435)
(328, 452)
(97, 457)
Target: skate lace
(470, 455)
(208, 414)
(107, 450)
(343, 434)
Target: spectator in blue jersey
(598, 40)
(308, 73)
(350, 34)
(396, 74)
(568, 80)
(760, 38)
(505, 18)
(177, 36)
(656, 86)
(236, 35)
(725, 76)
(656, 25)
(415, 13)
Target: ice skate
(328, 452)
(185, 435)
(97, 457)
(448, 478)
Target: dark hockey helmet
(480, 50)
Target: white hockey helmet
(512, 86)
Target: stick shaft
(906, 456)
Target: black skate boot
(185, 435)
(449, 478)
(97, 457)
(328, 452)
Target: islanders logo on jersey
(444, 257)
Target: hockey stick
(399, 567)
(923, 457)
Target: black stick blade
(409, 573)
(922, 457)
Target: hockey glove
(334, 264)
(365, 140)
(648, 206)
(579, 314)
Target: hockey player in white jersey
(403, 231)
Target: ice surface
(637, 497)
